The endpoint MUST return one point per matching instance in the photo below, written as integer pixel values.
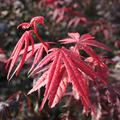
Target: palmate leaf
(25, 48)
(64, 68)
(85, 42)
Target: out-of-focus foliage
(97, 17)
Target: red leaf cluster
(23, 48)
(61, 66)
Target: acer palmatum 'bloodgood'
(60, 66)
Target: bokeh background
(100, 18)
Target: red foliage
(61, 66)
(61, 14)
(23, 48)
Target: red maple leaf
(65, 66)
(23, 48)
(85, 42)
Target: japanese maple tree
(60, 66)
